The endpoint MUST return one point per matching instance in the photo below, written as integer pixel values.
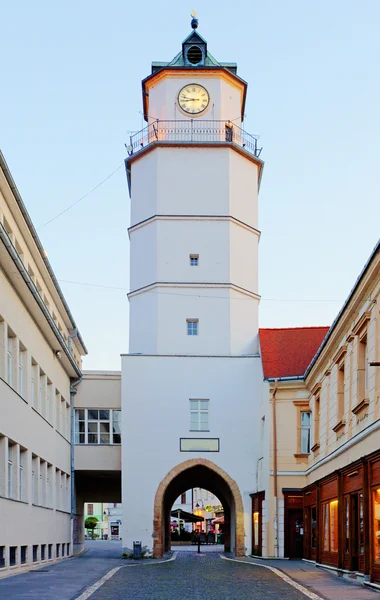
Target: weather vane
(194, 20)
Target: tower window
(194, 55)
(192, 326)
(194, 260)
(199, 410)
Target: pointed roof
(287, 352)
(194, 38)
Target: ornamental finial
(194, 20)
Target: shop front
(342, 519)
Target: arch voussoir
(158, 519)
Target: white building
(191, 383)
(40, 361)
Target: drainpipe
(73, 390)
(275, 507)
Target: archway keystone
(159, 516)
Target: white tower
(191, 384)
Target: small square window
(194, 260)
(192, 326)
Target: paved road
(64, 580)
(196, 577)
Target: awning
(219, 520)
(186, 516)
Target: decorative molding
(360, 405)
(316, 388)
(339, 425)
(349, 338)
(301, 455)
(315, 447)
(328, 372)
(339, 356)
(361, 323)
(301, 403)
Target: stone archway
(187, 466)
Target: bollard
(199, 544)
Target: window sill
(302, 454)
(42, 417)
(62, 436)
(42, 506)
(199, 430)
(314, 448)
(14, 499)
(340, 425)
(360, 406)
(96, 445)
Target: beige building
(40, 363)
(320, 480)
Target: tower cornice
(169, 144)
(210, 71)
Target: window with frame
(183, 498)
(340, 392)
(33, 383)
(97, 426)
(305, 432)
(10, 470)
(194, 260)
(192, 326)
(199, 415)
(21, 370)
(90, 509)
(10, 342)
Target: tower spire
(194, 20)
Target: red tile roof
(288, 352)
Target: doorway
(295, 533)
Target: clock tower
(191, 383)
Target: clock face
(193, 99)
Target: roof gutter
(337, 318)
(277, 379)
(29, 282)
(33, 231)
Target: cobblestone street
(194, 576)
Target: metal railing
(193, 131)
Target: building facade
(320, 484)
(40, 362)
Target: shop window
(361, 524)
(23, 554)
(50, 551)
(330, 526)
(256, 520)
(35, 553)
(347, 525)
(57, 550)
(314, 527)
(2, 557)
(376, 525)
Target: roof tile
(287, 352)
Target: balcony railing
(193, 131)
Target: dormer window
(194, 55)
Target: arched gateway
(198, 472)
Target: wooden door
(295, 533)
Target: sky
(70, 95)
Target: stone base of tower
(160, 456)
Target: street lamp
(198, 505)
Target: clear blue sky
(70, 93)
